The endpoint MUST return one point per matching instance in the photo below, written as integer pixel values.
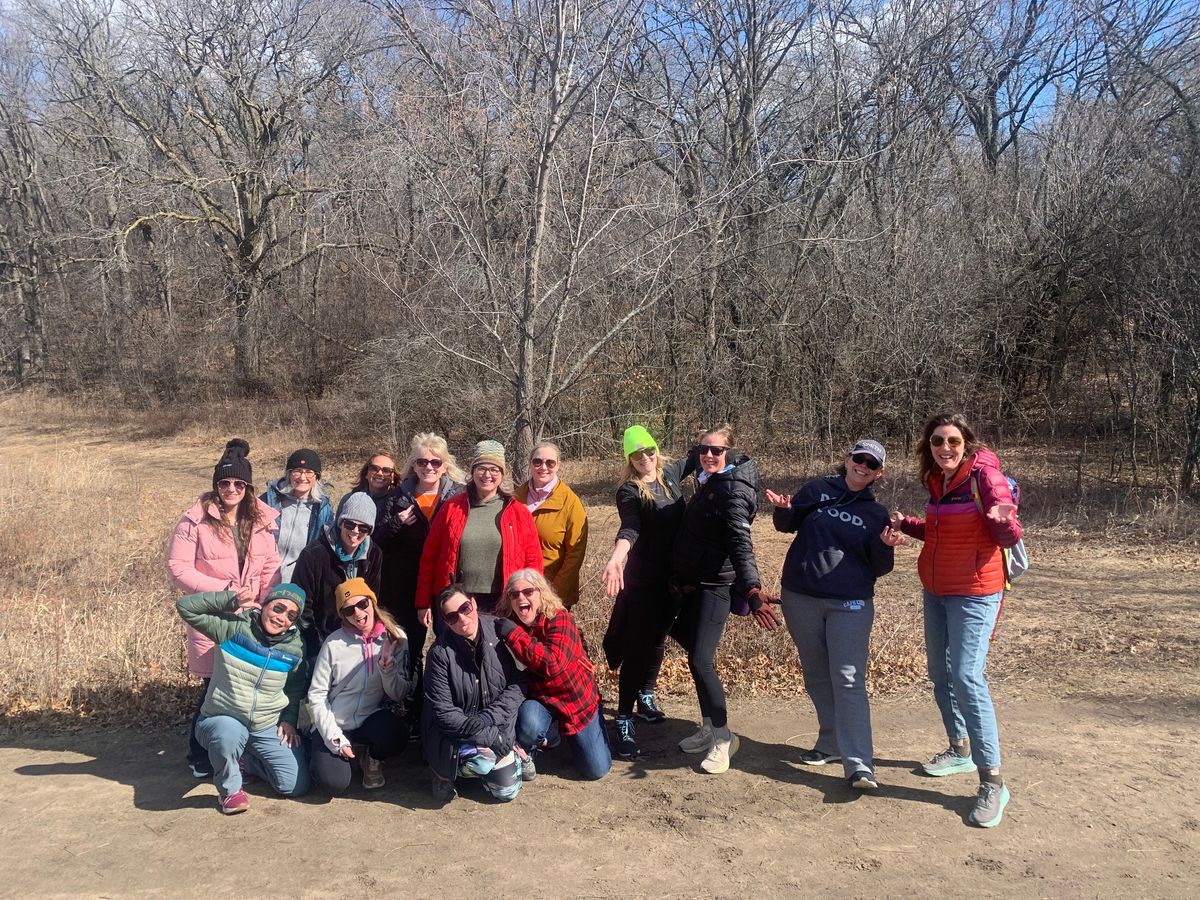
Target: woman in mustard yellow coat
(560, 519)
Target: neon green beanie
(637, 438)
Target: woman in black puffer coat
(715, 570)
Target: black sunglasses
(356, 526)
(866, 459)
(351, 608)
(428, 463)
(711, 450)
(461, 613)
(282, 609)
(522, 592)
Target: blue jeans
(957, 633)
(589, 748)
(228, 740)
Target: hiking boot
(528, 768)
(201, 769)
(627, 747)
(648, 709)
(863, 780)
(443, 790)
(815, 757)
(235, 803)
(989, 804)
(701, 741)
(948, 762)
(725, 744)
(372, 771)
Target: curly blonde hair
(551, 602)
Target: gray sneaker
(528, 768)
(989, 804)
(948, 762)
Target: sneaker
(627, 747)
(372, 771)
(201, 770)
(815, 757)
(648, 709)
(863, 780)
(725, 744)
(443, 790)
(235, 803)
(701, 741)
(528, 769)
(948, 762)
(989, 804)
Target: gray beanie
(358, 507)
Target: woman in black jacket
(473, 690)
(714, 567)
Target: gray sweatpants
(832, 637)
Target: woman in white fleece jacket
(359, 668)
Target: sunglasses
(953, 440)
(461, 613)
(639, 455)
(428, 463)
(231, 484)
(380, 470)
(866, 459)
(544, 463)
(358, 527)
(711, 450)
(282, 609)
(522, 592)
(351, 608)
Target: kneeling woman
(563, 698)
(249, 712)
(473, 690)
(359, 667)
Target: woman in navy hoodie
(843, 543)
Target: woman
(560, 518)
(563, 697)
(473, 690)
(479, 537)
(650, 506)
(248, 717)
(714, 567)
(359, 668)
(225, 541)
(844, 541)
(431, 477)
(378, 475)
(302, 501)
(969, 519)
(343, 551)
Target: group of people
(308, 625)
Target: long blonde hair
(428, 440)
(390, 625)
(551, 602)
(631, 474)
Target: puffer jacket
(257, 679)
(402, 544)
(519, 545)
(462, 680)
(962, 551)
(713, 544)
(319, 570)
(315, 511)
(201, 558)
(562, 527)
(349, 683)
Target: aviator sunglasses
(231, 484)
(953, 440)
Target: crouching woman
(563, 699)
(359, 668)
(473, 690)
(259, 675)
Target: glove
(503, 746)
(485, 719)
(506, 627)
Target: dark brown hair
(248, 514)
(397, 476)
(925, 464)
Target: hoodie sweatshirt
(300, 521)
(838, 551)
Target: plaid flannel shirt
(560, 673)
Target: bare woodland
(532, 219)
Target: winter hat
(637, 438)
(348, 590)
(288, 591)
(233, 463)
(871, 448)
(304, 459)
(489, 453)
(358, 507)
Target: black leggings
(647, 620)
(382, 733)
(698, 630)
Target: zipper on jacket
(258, 684)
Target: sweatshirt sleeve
(629, 511)
(210, 613)
(318, 700)
(398, 683)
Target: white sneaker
(372, 770)
(725, 744)
(701, 741)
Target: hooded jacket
(713, 545)
(257, 679)
(462, 680)
(402, 544)
(838, 551)
(320, 569)
(299, 522)
(562, 527)
(201, 557)
(962, 554)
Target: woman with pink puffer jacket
(225, 542)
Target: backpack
(1016, 558)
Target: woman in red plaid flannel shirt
(564, 701)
